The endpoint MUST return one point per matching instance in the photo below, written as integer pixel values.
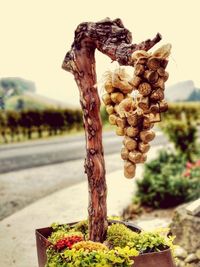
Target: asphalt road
(21, 156)
(30, 171)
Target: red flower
(189, 165)
(197, 163)
(67, 242)
(187, 174)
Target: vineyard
(16, 126)
(190, 110)
(25, 125)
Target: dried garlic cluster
(135, 117)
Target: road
(40, 153)
(30, 171)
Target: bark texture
(114, 40)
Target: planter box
(155, 259)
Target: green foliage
(104, 115)
(60, 234)
(57, 226)
(26, 122)
(84, 258)
(180, 125)
(192, 173)
(55, 259)
(146, 242)
(82, 227)
(36, 120)
(189, 110)
(164, 185)
(90, 246)
(28, 102)
(118, 235)
(118, 250)
(192, 170)
(167, 161)
(61, 231)
(183, 134)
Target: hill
(30, 100)
(182, 91)
(11, 86)
(195, 95)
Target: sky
(36, 34)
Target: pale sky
(36, 34)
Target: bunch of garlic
(134, 117)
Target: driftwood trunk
(112, 39)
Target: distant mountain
(179, 91)
(182, 91)
(30, 100)
(11, 86)
(195, 95)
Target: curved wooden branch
(109, 37)
(114, 40)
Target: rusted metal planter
(155, 259)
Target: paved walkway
(17, 238)
(21, 188)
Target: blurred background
(41, 132)
(42, 145)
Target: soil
(139, 214)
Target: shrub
(189, 110)
(180, 125)
(27, 122)
(143, 242)
(3, 126)
(82, 227)
(111, 258)
(146, 242)
(13, 123)
(37, 120)
(183, 134)
(90, 246)
(118, 235)
(62, 231)
(164, 185)
(104, 115)
(192, 173)
(68, 242)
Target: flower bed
(69, 246)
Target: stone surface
(191, 264)
(180, 253)
(198, 253)
(186, 228)
(194, 207)
(183, 259)
(180, 263)
(191, 258)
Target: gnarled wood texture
(114, 40)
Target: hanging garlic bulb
(134, 117)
